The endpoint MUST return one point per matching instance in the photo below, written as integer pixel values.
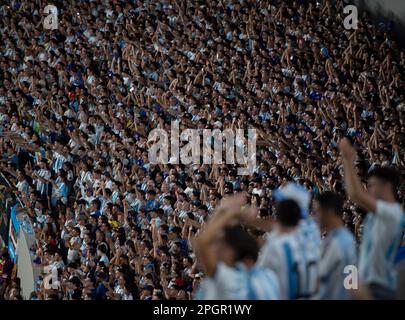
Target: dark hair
(104, 219)
(388, 175)
(164, 227)
(332, 201)
(244, 245)
(264, 212)
(288, 213)
(189, 259)
(77, 294)
(176, 230)
(102, 248)
(159, 295)
(97, 203)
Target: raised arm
(353, 184)
(223, 216)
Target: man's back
(338, 251)
(382, 235)
(288, 257)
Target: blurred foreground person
(298, 254)
(383, 226)
(228, 254)
(338, 249)
(285, 254)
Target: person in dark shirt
(6, 268)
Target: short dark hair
(330, 200)
(288, 213)
(244, 245)
(97, 203)
(387, 174)
(102, 248)
(176, 230)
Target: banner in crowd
(14, 233)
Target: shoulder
(274, 242)
(268, 273)
(344, 236)
(338, 242)
(308, 224)
(389, 210)
(222, 270)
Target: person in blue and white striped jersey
(307, 239)
(59, 189)
(228, 255)
(285, 253)
(42, 177)
(309, 235)
(383, 225)
(338, 249)
(59, 156)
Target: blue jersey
(338, 251)
(382, 234)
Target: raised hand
(347, 151)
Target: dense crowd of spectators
(77, 104)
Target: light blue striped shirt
(294, 260)
(382, 234)
(338, 251)
(58, 161)
(41, 186)
(240, 283)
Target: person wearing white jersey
(338, 248)
(306, 240)
(228, 255)
(285, 254)
(308, 227)
(308, 235)
(42, 177)
(383, 225)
